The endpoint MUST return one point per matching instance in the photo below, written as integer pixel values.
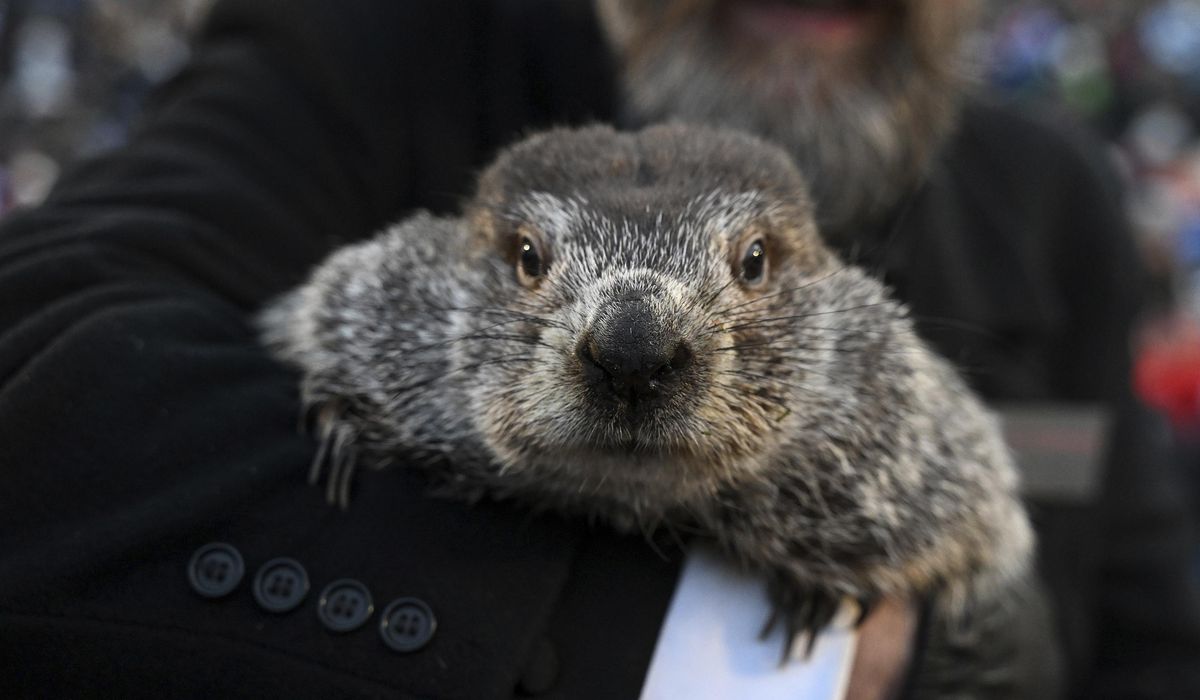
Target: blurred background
(74, 74)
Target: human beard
(863, 125)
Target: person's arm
(126, 347)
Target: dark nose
(632, 356)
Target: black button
(541, 670)
(216, 569)
(280, 585)
(344, 605)
(407, 624)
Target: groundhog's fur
(808, 431)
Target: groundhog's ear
(435, 244)
(477, 242)
(489, 234)
(485, 227)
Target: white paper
(709, 646)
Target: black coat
(140, 420)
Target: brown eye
(754, 264)
(530, 263)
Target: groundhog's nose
(630, 355)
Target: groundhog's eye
(530, 263)
(754, 264)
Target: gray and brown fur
(811, 434)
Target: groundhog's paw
(803, 610)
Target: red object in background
(1166, 373)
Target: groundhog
(645, 328)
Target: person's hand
(881, 659)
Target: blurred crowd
(73, 76)
(1131, 69)
(74, 73)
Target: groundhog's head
(674, 284)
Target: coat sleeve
(129, 370)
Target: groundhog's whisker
(470, 336)
(517, 338)
(788, 340)
(763, 312)
(441, 361)
(713, 297)
(782, 348)
(781, 307)
(921, 321)
(491, 310)
(783, 319)
(741, 389)
(483, 335)
(802, 354)
(399, 393)
(757, 300)
(801, 368)
(520, 316)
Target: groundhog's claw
(803, 609)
